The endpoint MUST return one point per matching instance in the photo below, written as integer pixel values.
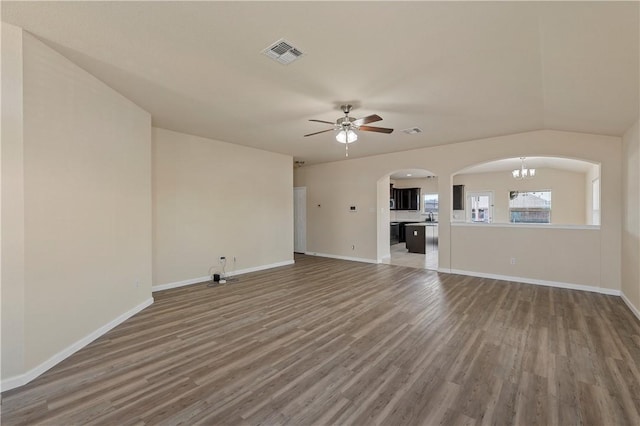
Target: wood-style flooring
(329, 342)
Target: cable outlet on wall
(512, 261)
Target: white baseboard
(335, 256)
(524, 280)
(177, 284)
(633, 309)
(23, 379)
(199, 280)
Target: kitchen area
(413, 208)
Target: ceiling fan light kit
(346, 127)
(346, 136)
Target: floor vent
(283, 52)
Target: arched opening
(528, 190)
(408, 211)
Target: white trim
(461, 224)
(260, 268)
(23, 379)
(635, 310)
(177, 284)
(336, 256)
(206, 278)
(546, 283)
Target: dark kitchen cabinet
(407, 198)
(416, 238)
(402, 232)
(395, 233)
(458, 197)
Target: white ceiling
(506, 164)
(458, 70)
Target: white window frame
(550, 208)
(595, 202)
(468, 210)
(424, 200)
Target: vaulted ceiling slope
(457, 70)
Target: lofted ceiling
(509, 164)
(457, 70)
(505, 165)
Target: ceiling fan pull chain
(346, 149)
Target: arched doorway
(408, 222)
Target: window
(595, 200)
(480, 207)
(430, 203)
(530, 206)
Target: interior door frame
(300, 219)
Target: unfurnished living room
(320, 213)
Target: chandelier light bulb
(523, 172)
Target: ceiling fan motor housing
(345, 121)
(346, 108)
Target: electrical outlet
(222, 259)
(234, 258)
(512, 261)
(137, 283)
(353, 247)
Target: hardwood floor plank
(327, 341)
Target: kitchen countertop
(411, 222)
(422, 224)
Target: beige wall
(213, 199)
(631, 216)
(87, 203)
(567, 196)
(12, 207)
(590, 176)
(537, 253)
(384, 218)
(331, 230)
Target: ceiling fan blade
(366, 120)
(375, 129)
(322, 121)
(323, 131)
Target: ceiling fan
(347, 126)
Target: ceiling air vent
(283, 52)
(412, 130)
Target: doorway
(411, 234)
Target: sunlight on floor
(401, 257)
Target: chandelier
(523, 172)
